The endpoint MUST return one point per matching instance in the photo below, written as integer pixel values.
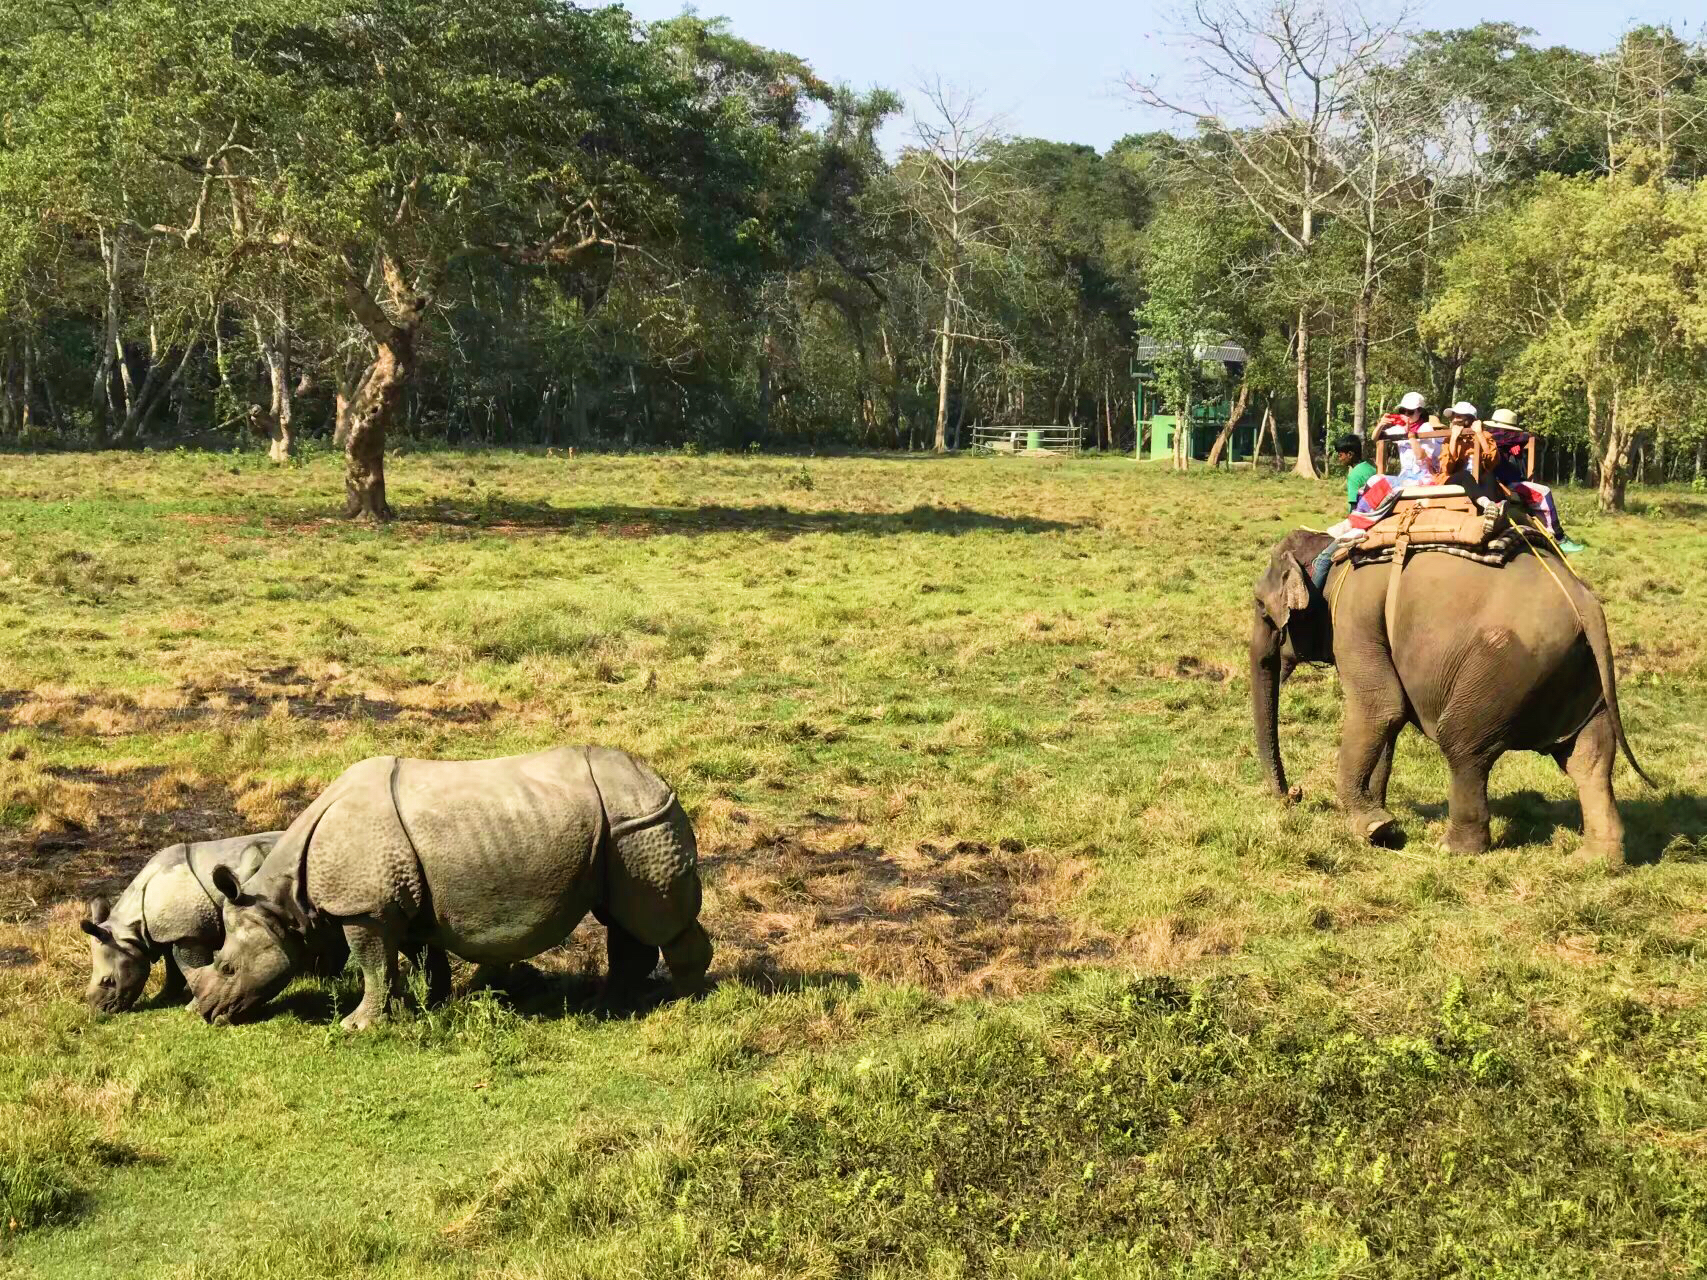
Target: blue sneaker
(1570, 546)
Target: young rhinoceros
(494, 860)
(170, 911)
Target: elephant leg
(490, 976)
(1375, 713)
(375, 952)
(631, 962)
(1383, 771)
(1467, 805)
(1588, 760)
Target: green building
(1157, 421)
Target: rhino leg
(433, 962)
(375, 952)
(630, 964)
(174, 989)
(689, 956)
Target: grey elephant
(492, 860)
(1483, 659)
(169, 911)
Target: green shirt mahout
(1355, 479)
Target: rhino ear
(97, 931)
(225, 880)
(97, 910)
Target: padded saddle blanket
(1437, 518)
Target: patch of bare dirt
(93, 828)
(250, 696)
(956, 918)
(1191, 667)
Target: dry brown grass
(957, 918)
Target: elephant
(492, 860)
(170, 912)
(1483, 659)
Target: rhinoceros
(170, 911)
(492, 860)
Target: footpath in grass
(1020, 972)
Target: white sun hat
(1412, 400)
(1465, 409)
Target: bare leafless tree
(1385, 156)
(1270, 91)
(951, 189)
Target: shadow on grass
(548, 996)
(1652, 821)
(500, 515)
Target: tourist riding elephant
(1482, 659)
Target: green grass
(1021, 971)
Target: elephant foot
(1377, 827)
(361, 1018)
(1608, 853)
(1467, 838)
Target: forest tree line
(527, 223)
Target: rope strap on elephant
(1401, 548)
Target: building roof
(1223, 350)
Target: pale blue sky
(1054, 69)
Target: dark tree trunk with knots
(377, 399)
(370, 414)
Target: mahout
(491, 860)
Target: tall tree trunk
(29, 382)
(1305, 464)
(942, 376)
(371, 413)
(1273, 429)
(1614, 451)
(275, 354)
(101, 407)
(894, 390)
(1360, 366)
(1239, 403)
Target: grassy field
(1019, 970)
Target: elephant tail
(1600, 641)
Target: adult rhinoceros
(493, 860)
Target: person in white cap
(1466, 440)
(1419, 460)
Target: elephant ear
(1297, 584)
(1284, 589)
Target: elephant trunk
(1268, 672)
